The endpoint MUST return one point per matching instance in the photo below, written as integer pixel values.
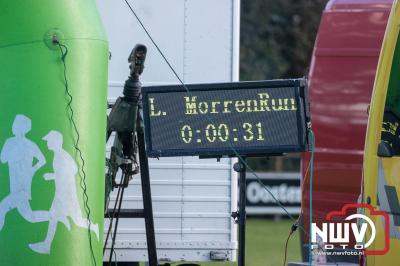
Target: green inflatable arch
(43, 209)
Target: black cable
(112, 219)
(230, 144)
(115, 253)
(124, 176)
(108, 215)
(292, 230)
(64, 53)
(109, 232)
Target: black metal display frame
(303, 118)
(240, 216)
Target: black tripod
(126, 121)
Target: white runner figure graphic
(65, 204)
(19, 153)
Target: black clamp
(239, 167)
(235, 216)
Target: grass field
(265, 243)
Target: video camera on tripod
(123, 121)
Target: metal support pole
(240, 167)
(146, 191)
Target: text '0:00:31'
(223, 133)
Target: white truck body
(192, 198)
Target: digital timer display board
(252, 118)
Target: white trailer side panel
(192, 199)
